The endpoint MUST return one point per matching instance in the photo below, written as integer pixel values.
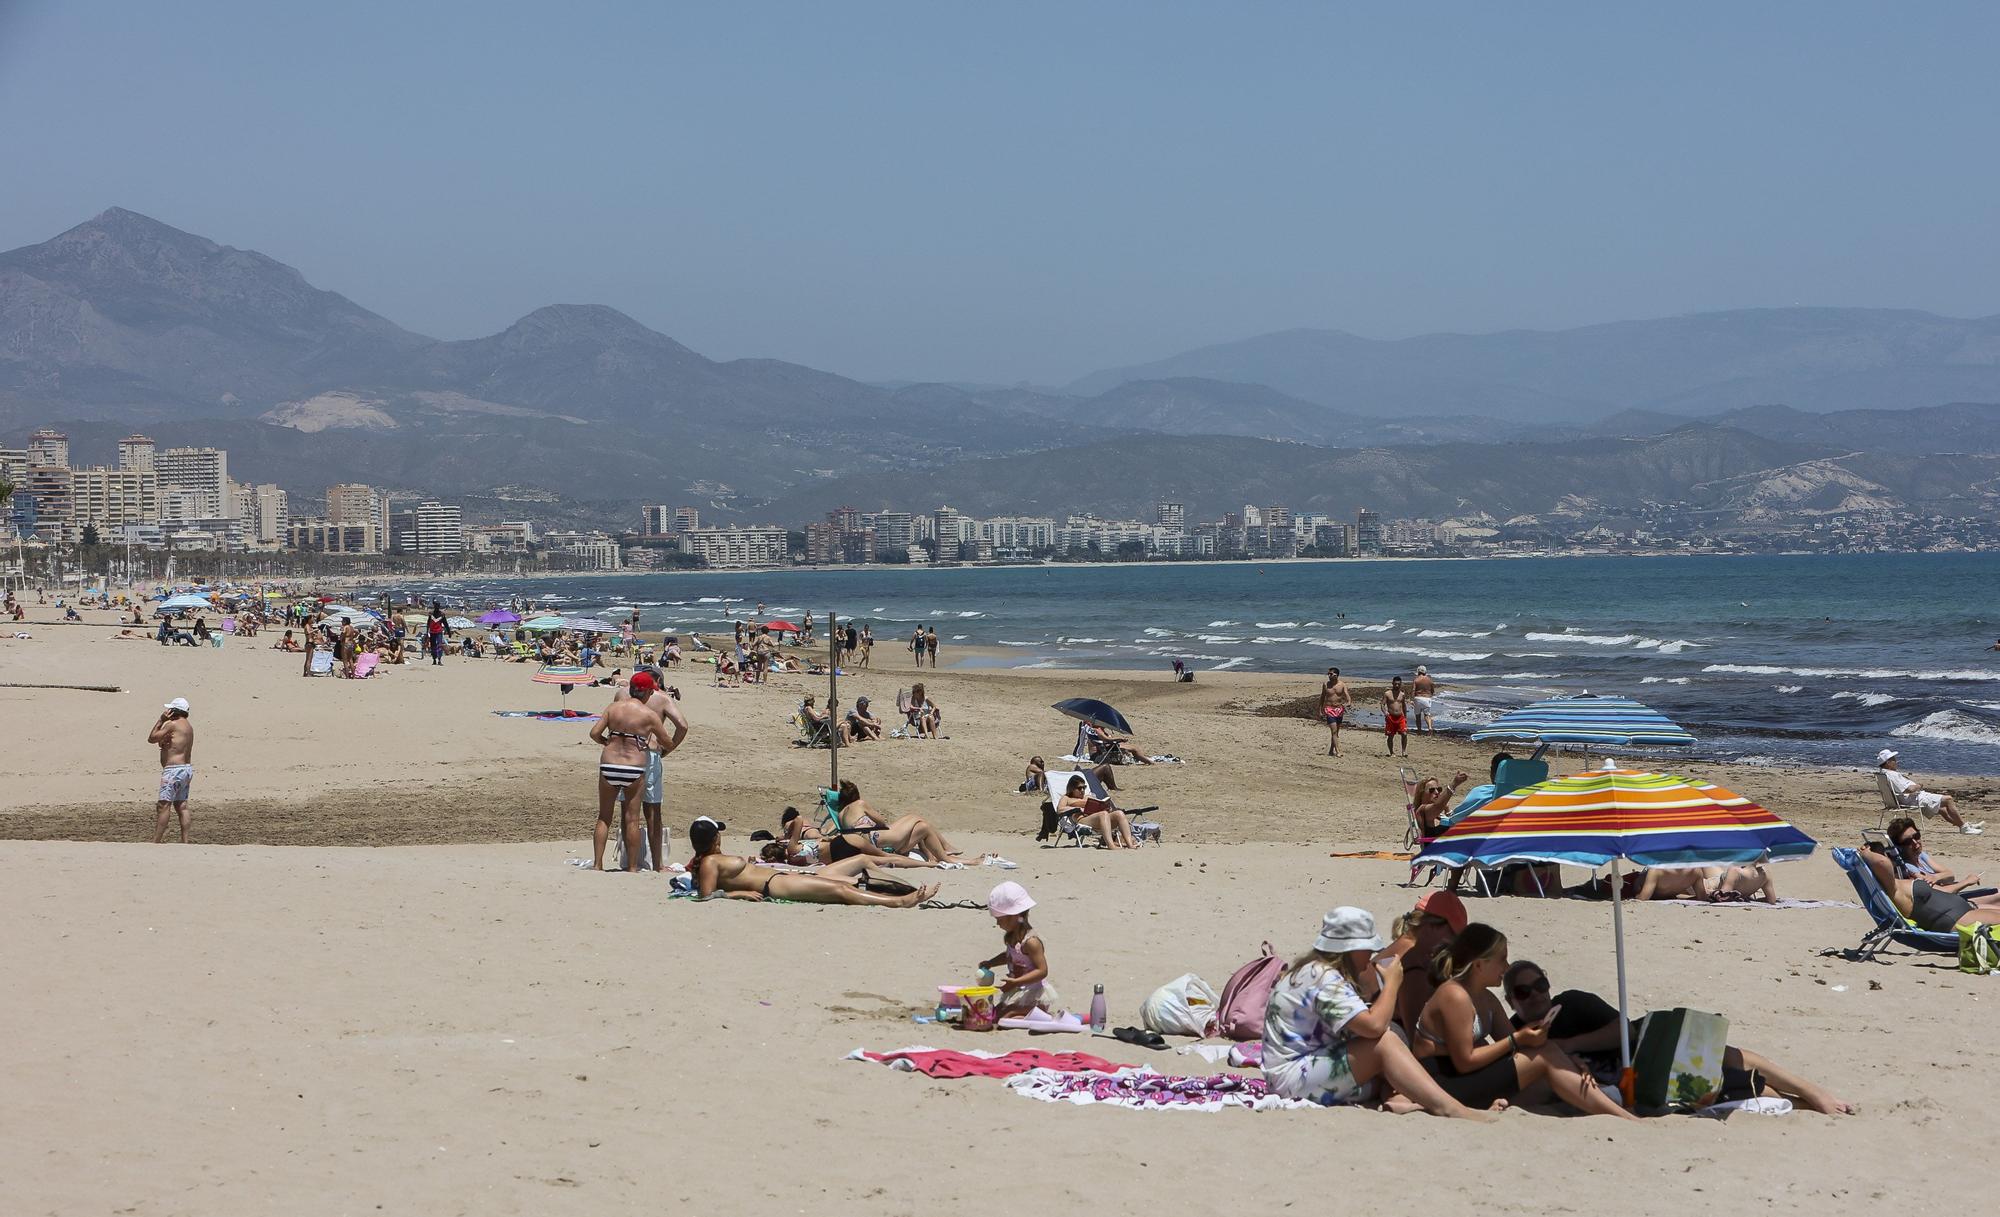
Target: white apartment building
(48, 447)
(136, 452)
(108, 498)
(599, 553)
(201, 471)
(738, 546)
(1018, 534)
(265, 512)
(893, 529)
(440, 532)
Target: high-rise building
(656, 521)
(1171, 516)
(439, 530)
(136, 452)
(49, 447)
(686, 519)
(1277, 517)
(107, 498)
(266, 514)
(823, 544)
(1368, 531)
(14, 465)
(203, 472)
(1252, 517)
(894, 530)
(945, 521)
(737, 546)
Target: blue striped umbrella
(1587, 718)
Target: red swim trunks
(1333, 714)
(1396, 724)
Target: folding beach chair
(812, 734)
(1890, 803)
(1485, 880)
(365, 666)
(322, 662)
(1890, 925)
(1063, 825)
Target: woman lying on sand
(1586, 1027)
(717, 873)
(1098, 815)
(863, 823)
(1326, 1032)
(805, 845)
(1459, 1036)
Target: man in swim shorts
(1396, 716)
(1335, 700)
(1423, 698)
(649, 687)
(175, 735)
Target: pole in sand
(832, 703)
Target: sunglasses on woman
(1528, 990)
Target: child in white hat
(1026, 985)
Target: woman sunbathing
(863, 824)
(1458, 1036)
(720, 874)
(1932, 908)
(1098, 815)
(1586, 1027)
(1433, 802)
(1914, 863)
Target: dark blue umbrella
(1096, 713)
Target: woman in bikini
(863, 827)
(627, 731)
(1476, 1055)
(720, 874)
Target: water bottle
(1097, 1019)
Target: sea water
(1804, 659)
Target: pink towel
(943, 1063)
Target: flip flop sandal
(1139, 1037)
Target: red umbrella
(781, 627)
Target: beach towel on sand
(943, 1063)
(1142, 1087)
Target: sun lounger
(1890, 925)
(1065, 826)
(322, 663)
(365, 666)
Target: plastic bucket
(948, 996)
(981, 1006)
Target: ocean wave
(1866, 699)
(706, 599)
(1277, 625)
(1460, 676)
(971, 613)
(1009, 643)
(1594, 640)
(1216, 639)
(1663, 680)
(1765, 669)
(1383, 628)
(1262, 640)
(1955, 725)
(1157, 632)
(1227, 664)
(1450, 633)
(1339, 644)
(1531, 676)
(1217, 625)
(1790, 688)
(1085, 640)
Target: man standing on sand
(917, 645)
(1396, 716)
(175, 735)
(850, 643)
(648, 686)
(1335, 700)
(1423, 697)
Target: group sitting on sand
(1413, 1024)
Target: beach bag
(1239, 1013)
(1183, 1006)
(1977, 952)
(1678, 1065)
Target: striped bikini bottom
(622, 776)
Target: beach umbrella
(1587, 718)
(459, 623)
(564, 675)
(1096, 713)
(175, 604)
(543, 624)
(588, 625)
(1610, 816)
(781, 627)
(499, 617)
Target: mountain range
(124, 322)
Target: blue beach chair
(1890, 925)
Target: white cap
(1422, 670)
(1886, 755)
(1347, 929)
(178, 703)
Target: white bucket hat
(1886, 755)
(1347, 929)
(1008, 899)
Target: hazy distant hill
(1810, 358)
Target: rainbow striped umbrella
(1587, 718)
(1613, 815)
(1596, 818)
(565, 675)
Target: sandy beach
(456, 1021)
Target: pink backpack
(1239, 1013)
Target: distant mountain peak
(571, 324)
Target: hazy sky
(1012, 191)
